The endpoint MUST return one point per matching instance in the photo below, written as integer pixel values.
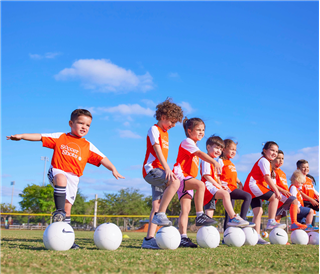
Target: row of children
(219, 179)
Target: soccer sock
(199, 213)
(271, 220)
(160, 213)
(68, 220)
(59, 196)
(293, 213)
(184, 236)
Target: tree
(7, 208)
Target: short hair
(267, 145)
(171, 110)
(298, 176)
(280, 152)
(215, 140)
(79, 112)
(191, 124)
(301, 162)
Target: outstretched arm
(205, 157)
(25, 136)
(107, 164)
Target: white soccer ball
(278, 236)
(234, 236)
(107, 236)
(58, 236)
(251, 236)
(313, 238)
(168, 237)
(299, 237)
(208, 237)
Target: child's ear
(70, 123)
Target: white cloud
(128, 134)
(246, 162)
(173, 75)
(6, 191)
(187, 109)
(35, 56)
(5, 175)
(104, 76)
(129, 109)
(126, 124)
(51, 55)
(149, 103)
(48, 55)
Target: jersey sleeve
(154, 135)
(294, 191)
(221, 163)
(95, 156)
(189, 145)
(264, 166)
(205, 168)
(49, 139)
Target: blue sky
(250, 70)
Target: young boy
(71, 153)
(156, 171)
(288, 202)
(297, 180)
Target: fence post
(95, 212)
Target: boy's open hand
(217, 167)
(16, 137)
(117, 175)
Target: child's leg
(185, 203)
(272, 208)
(226, 216)
(309, 217)
(67, 209)
(60, 184)
(209, 212)
(199, 187)
(153, 227)
(225, 197)
(256, 205)
(168, 194)
(239, 194)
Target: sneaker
(222, 242)
(204, 220)
(150, 244)
(262, 242)
(273, 224)
(58, 216)
(311, 228)
(161, 220)
(251, 224)
(297, 225)
(186, 242)
(237, 221)
(75, 246)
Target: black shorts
(257, 201)
(308, 204)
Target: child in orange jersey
(288, 202)
(297, 180)
(156, 170)
(229, 179)
(257, 184)
(186, 170)
(71, 153)
(214, 188)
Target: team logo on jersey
(71, 149)
(195, 160)
(232, 168)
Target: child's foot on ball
(204, 220)
(297, 225)
(75, 246)
(58, 216)
(186, 242)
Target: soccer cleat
(222, 242)
(204, 220)
(58, 216)
(262, 241)
(273, 224)
(161, 220)
(186, 242)
(75, 246)
(238, 221)
(311, 228)
(150, 244)
(297, 225)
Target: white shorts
(212, 189)
(283, 198)
(72, 183)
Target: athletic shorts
(256, 190)
(257, 201)
(304, 211)
(211, 204)
(285, 207)
(308, 204)
(157, 179)
(72, 183)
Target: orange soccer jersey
(71, 153)
(228, 176)
(308, 189)
(255, 183)
(281, 179)
(155, 136)
(296, 193)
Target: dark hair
(280, 152)
(267, 145)
(190, 124)
(312, 178)
(79, 112)
(170, 110)
(301, 162)
(227, 143)
(215, 140)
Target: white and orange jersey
(308, 189)
(228, 175)
(187, 164)
(281, 179)
(296, 193)
(71, 153)
(155, 136)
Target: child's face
(214, 151)
(271, 153)
(80, 127)
(304, 168)
(298, 184)
(230, 151)
(197, 133)
(166, 123)
(278, 162)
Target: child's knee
(175, 184)
(295, 202)
(200, 187)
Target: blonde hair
(298, 177)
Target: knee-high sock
(59, 195)
(293, 213)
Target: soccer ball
(278, 236)
(234, 236)
(107, 236)
(168, 237)
(58, 236)
(208, 237)
(251, 236)
(313, 238)
(299, 237)
(264, 234)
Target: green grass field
(23, 252)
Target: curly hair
(171, 110)
(79, 112)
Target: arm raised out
(25, 136)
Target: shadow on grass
(21, 240)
